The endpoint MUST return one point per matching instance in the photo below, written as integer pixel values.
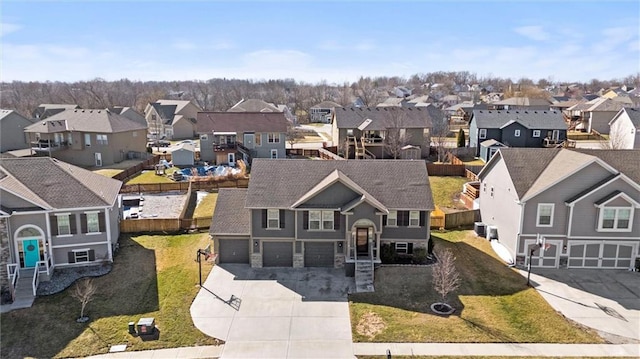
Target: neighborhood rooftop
(547, 120)
(209, 122)
(387, 117)
(90, 120)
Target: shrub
(388, 254)
(419, 256)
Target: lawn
(152, 177)
(108, 172)
(446, 191)
(205, 208)
(493, 303)
(152, 276)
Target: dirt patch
(370, 325)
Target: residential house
(54, 215)
(255, 105)
(379, 132)
(49, 109)
(88, 137)
(129, 113)
(625, 129)
(582, 206)
(172, 119)
(335, 214)
(522, 103)
(227, 136)
(12, 125)
(594, 115)
(322, 112)
(516, 129)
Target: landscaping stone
(63, 278)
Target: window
(153, 118)
(392, 219)
(402, 247)
(482, 134)
(516, 133)
(273, 218)
(314, 220)
(545, 215)
(135, 133)
(102, 140)
(64, 225)
(321, 220)
(350, 132)
(327, 220)
(615, 219)
(70, 139)
(81, 255)
(484, 187)
(93, 223)
(258, 139)
(87, 139)
(536, 133)
(204, 137)
(273, 137)
(491, 194)
(274, 154)
(414, 218)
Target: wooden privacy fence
(437, 218)
(184, 186)
(134, 170)
(169, 225)
(443, 169)
(440, 219)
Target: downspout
(108, 225)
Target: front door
(362, 241)
(555, 135)
(249, 140)
(231, 159)
(31, 252)
(98, 159)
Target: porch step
(364, 277)
(24, 291)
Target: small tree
(84, 291)
(462, 141)
(445, 276)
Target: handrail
(43, 264)
(35, 281)
(13, 273)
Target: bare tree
(293, 135)
(84, 291)
(616, 139)
(396, 137)
(445, 276)
(440, 129)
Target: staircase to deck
(364, 276)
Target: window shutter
(101, 222)
(264, 218)
(83, 224)
(410, 248)
(71, 257)
(54, 225)
(92, 255)
(305, 220)
(72, 224)
(384, 220)
(281, 216)
(423, 218)
(336, 220)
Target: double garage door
(601, 255)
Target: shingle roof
(54, 184)
(524, 101)
(634, 116)
(598, 104)
(241, 122)
(525, 165)
(180, 104)
(231, 216)
(327, 104)
(543, 120)
(166, 112)
(254, 105)
(385, 117)
(97, 121)
(397, 184)
(625, 161)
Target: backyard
(493, 303)
(152, 276)
(446, 191)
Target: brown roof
(210, 121)
(97, 121)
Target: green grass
(152, 177)
(446, 191)
(206, 208)
(152, 276)
(493, 303)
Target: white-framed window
(204, 137)
(93, 223)
(87, 139)
(414, 218)
(516, 133)
(482, 133)
(615, 219)
(315, 217)
(258, 139)
(545, 215)
(64, 224)
(402, 247)
(327, 220)
(484, 187)
(392, 219)
(273, 137)
(536, 133)
(274, 154)
(491, 194)
(273, 218)
(350, 132)
(135, 133)
(321, 220)
(102, 140)
(81, 255)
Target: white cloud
(365, 45)
(7, 28)
(536, 33)
(613, 37)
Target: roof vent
(75, 110)
(526, 112)
(82, 111)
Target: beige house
(88, 138)
(172, 119)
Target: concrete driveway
(605, 300)
(276, 312)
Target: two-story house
(172, 119)
(490, 130)
(228, 136)
(12, 125)
(384, 132)
(322, 112)
(625, 129)
(54, 215)
(572, 208)
(257, 105)
(88, 138)
(594, 115)
(334, 214)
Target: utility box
(146, 326)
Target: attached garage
(318, 254)
(611, 255)
(548, 258)
(233, 251)
(277, 254)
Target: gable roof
(100, 121)
(254, 105)
(386, 117)
(546, 120)
(232, 218)
(179, 104)
(597, 104)
(49, 109)
(327, 104)
(633, 113)
(396, 184)
(524, 101)
(6, 113)
(209, 121)
(53, 184)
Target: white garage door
(601, 255)
(548, 257)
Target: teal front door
(31, 252)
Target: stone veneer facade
(5, 252)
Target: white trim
(624, 196)
(89, 212)
(79, 244)
(64, 235)
(482, 136)
(629, 228)
(557, 243)
(62, 214)
(28, 200)
(553, 207)
(538, 133)
(92, 233)
(516, 133)
(601, 243)
(570, 224)
(81, 250)
(618, 176)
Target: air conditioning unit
(480, 229)
(492, 232)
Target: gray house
(583, 205)
(226, 137)
(12, 125)
(335, 214)
(517, 129)
(53, 215)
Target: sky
(313, 41)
